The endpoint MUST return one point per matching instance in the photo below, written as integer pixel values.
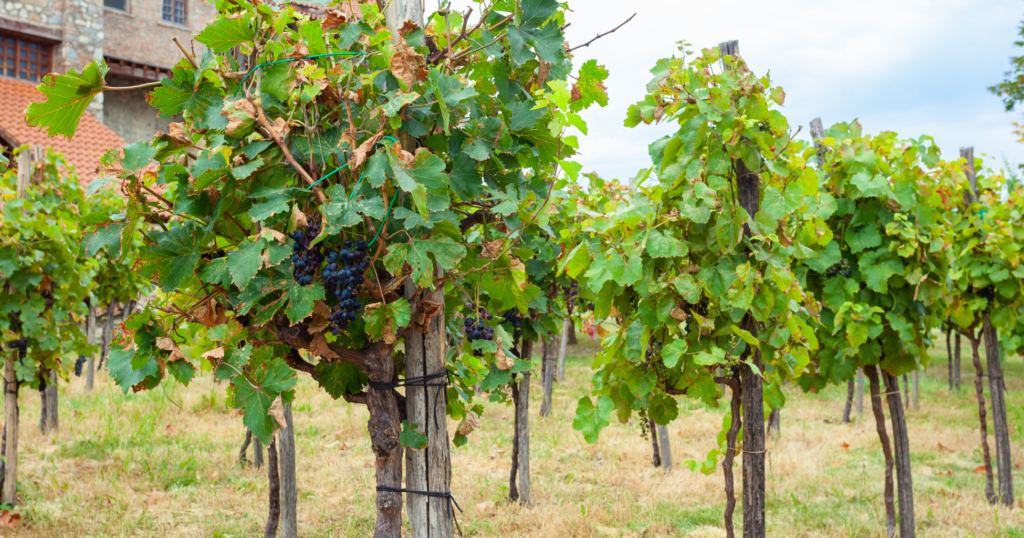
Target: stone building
(135, 37)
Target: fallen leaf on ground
(979, 469)
(9, 519)
(846, 446)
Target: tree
(677, 258)
(882, 276)
(43, 285)
(299, 164)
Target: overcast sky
(910, 66)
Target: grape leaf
(258, 389)
(590, 420)
(224, 33)
(67, 97)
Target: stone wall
(129, 115)
(142, 35)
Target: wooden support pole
(749, 197)
(1000, 426)
(10, 489)
(289, 486)
(562, 344)
(90, 336)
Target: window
(174, 11)
(121, 5)
(24, 59)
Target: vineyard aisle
(164, 465)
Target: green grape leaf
(660, 245)
(340, 378)
(245, 261)
(183, 93)
(67, 97)
(257, 390)
(412, 438)
(224, 33)
(590, 420)
(137, 156)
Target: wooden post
(523, 429)
(43, 400)
(397, 12)
(860, 391)
(548, 372)
(949, 353)
(10, 489)
(916, 393)
(108, 330)
(289, 487)
(901, 446)
(562, 344)
(52, 410)
(1000, 426)
(749, 197)
(970, 195)
(818, 133)
(428, 469)
(906, 390)
(273, 491)
(24, 171)
(90, 336)
(850, 389)
(664, 447)
(956, 361)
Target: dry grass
(163, 464)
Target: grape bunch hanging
(475, 328)
(215, 255)
(306, 259)
(342, 277)
(79, 363)
(21, 345)
(514, 318)
(841, 268)
(988, 293)
(571, 293)
(654, 349)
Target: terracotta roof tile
(83, 151)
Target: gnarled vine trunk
(655, 452)
(979, 390)
(883, 436)
(384, 427)
(273, 491)
(10, 487)
(730, 453)
(548, 372)
(1000, 427)
(850, 387)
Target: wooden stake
(289, 487)
(1000, 426)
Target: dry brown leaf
(348, 139)
(359, 154)
(212, 314)
(845, 445)
(9, 519)
(334, 19)
(236, 412)
(165, 343)
(944, 472)
(301, 221)
(216, 353)
(493, 248)
(680, 314)
(300, 51)
(271, 234)
(406, 64)
(241, 117)
(321, 348)
(389, 330)
(405, 159)
(980, 469)
(321, 317)
(277, 411)
(281, 127)
(504, 361)
(179, 134)
(469, 424)
(576, 94)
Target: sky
(911, 66)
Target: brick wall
(142, 35)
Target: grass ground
(162, 463)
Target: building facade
(135, 37)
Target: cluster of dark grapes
(21, 345)
(516, 319)
(590, 307)
(841, 268)
(79, 363)
(475, 328)
(988, 293)
(342, 277)
(570, 293)
(654, 348)
(305, 258)
(210, 257)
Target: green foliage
(484, 133)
